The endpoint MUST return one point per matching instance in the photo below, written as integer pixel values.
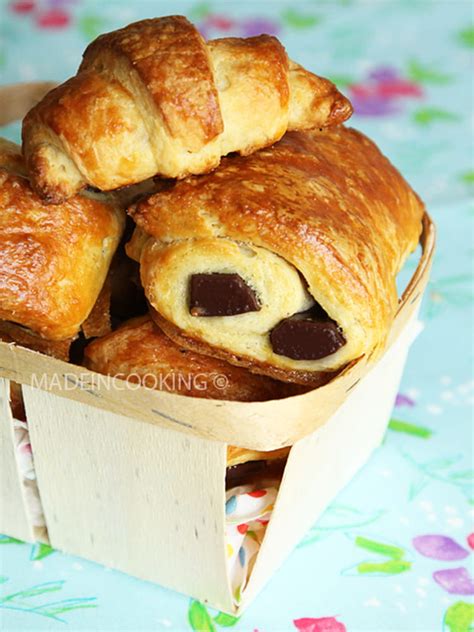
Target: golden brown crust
(327, 202)
(264, 56)
(154, 98)
(99, 323)
(140, 352)
(53, 259)
(316, 102)
(160, 51)
(85, 108)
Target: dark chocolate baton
(310, 335)
(221, 294)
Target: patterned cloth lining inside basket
(248, 510)
(27, 473)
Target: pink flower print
(22, 6)
(53, 18)
(26, 449)
(389, 84)
(381, 93)
(399, 88)
(49, 14)
(220, 22)
(367, 102)
(322, 624)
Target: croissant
(53, 259)
(154, 98)
(283, 261)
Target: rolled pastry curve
(321, 217)
(155, 98)
(53, 259)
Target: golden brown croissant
(140, 352)
(283, 261)
(154, 98)
(53, 259)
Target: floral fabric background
(394, 551)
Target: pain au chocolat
(155, 98)
(53, 259)
(283, 261)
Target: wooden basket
(135, 479)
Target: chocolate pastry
(321, 220)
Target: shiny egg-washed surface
(325, 201)
(394, 551)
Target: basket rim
(263, 425)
